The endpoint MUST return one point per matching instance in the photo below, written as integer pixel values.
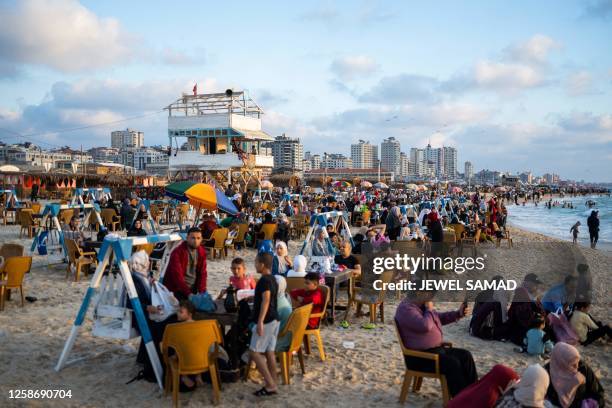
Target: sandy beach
(32, 337)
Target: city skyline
(525, 88)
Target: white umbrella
(381, 185)
(412, 186)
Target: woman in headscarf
(572, 382)
(137, 230)
(485, 392)
(393, 223)
(319, 245)
(299, 267)
(283, 308)
(529, 392)
(359, 238)
(281, 263)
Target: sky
(514, 86)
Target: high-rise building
(450, 163)
(468, 171)
(364, 155)
(404, 165)
(390, 152)
(128, 138)
(417, 162)
(526, 177)
(288, 153)
(336, 161)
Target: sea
(557, 221)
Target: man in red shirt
(311, 293)
(186, 272)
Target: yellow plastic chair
(218, 247)
(27, 223)
(360, 298)
(77, 258)
(268, 231)
(110, 218)
(192, 343)
(317, 332)
(417, 376)
(240, 238)
(10, 250)
(294, 282)
(296, 325)
(36, 208)
(11, 277)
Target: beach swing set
(92, 194)
(10, 198)
(288, 199)
(108, 291)
(340, 221)
(52, 237)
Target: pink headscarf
(564, 373)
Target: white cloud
(579, 83)
(352, 67)
(173, 56)
(506, 76)
(61, 34)
(535, 50)
(402, 88)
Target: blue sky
(514, 86)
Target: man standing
(593, 224)
(186, 273)
(265, 317)
(420, 328)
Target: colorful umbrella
(423, 187)
(267, 184)
(366, 184)
(206, 196)
(412, 186)
(177, 190)
(456, 189)
(341, 184)
(381, 185)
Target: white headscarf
(139, 263)
(299, 267)
(531, 390)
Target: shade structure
(412, 186)
(423, 187)
(380, 184)
(205, 196)
(341, 184)
(456, 189)
(267, 184)
(366, 184)
(177, 190)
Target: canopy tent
(340, 221)
(111, 318)
(53, 211)
(93, 194)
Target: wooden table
(333, 280)
(224, 318)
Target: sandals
(344, 324)
(368, 326)
(264, 393)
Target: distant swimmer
(575, 231)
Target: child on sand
(585, 327)
(311, 293)
(536, 342)
(575, 231)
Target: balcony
(194, 160)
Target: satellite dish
(229, 92)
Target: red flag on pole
(195, 89)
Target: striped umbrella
(177, 190)
(341, 184)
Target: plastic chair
(77, 258)
(12, 276)
(36, 208)
(110, 218)
(240, 238)
(10, 250)
(192, 343)
(317, 332)
(298, 320)
(218, 247)
(268, 231)
(27, 223)
(294, 282)
(372, 301)
(419, 375)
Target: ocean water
(557, 221)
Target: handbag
(562, 329)
(165, 302)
